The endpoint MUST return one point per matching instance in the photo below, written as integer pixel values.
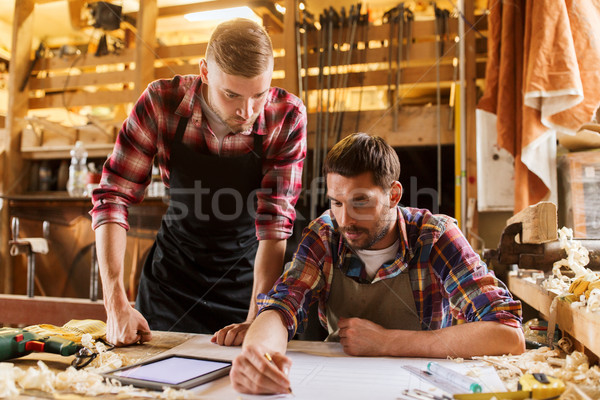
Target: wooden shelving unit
(578, 323)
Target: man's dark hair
(360, 153)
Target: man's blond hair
(241, 47)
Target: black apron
(198, 275)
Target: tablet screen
(173, 370)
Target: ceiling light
(280, 8)
(226, 13)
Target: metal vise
(535, 256)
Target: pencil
(270, 359)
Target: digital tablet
(173, 370)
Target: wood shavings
(565, 344)
(40, 378)
(14, 380)
(572, 392)
(174, 394)
(593, 302)
(577, 255)
(8, 387)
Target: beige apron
(388, 302)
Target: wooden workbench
(184, 343)
(579, 324)
(161, 341)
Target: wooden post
(470, 103)
(145, 45)
(12, 162)
(290, 45)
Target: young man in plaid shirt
(230, 149)
(388, 279)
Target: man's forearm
(464, 340)
(268, 267)
(268, 330)
(111, 242)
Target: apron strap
(183, 121)
(258, 148)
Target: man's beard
(236, 128)
(371, 239)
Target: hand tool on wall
(330, 20)
(364, 22)
(353, 20)
(391, 20)
(39, 54)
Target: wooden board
(539, 221)
(577, 322)
(23, 311)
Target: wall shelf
(577, 322)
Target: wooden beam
(145, 42)
(583, 326)
(416, 126)
(291, 50)
(65, 82)
(539, 223)
(77, 99)
(470, 103)
(12, 162)
(85, 61)
(22, 310)
(181, 51)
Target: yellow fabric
(72, 330)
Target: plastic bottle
(77, 171)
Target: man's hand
(253, 373)
(127, 327)
(361, 337)
(231, 335)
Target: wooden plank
(195, 7)
(75, 99)
(84, 61)
(532, 294)
(22, 310)
(580, 324)
(539, 222)
(418, 52)
(145, 41)
(172, 70)
(64, 82)
(63, 152)
(12, 162)
(181, 51)
(379, 78)
(291, 83)
(278, 40)
(472, 72)
(416, 126)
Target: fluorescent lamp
(280, 8)
(223, 14)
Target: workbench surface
(221, 389)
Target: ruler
(435, 380)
